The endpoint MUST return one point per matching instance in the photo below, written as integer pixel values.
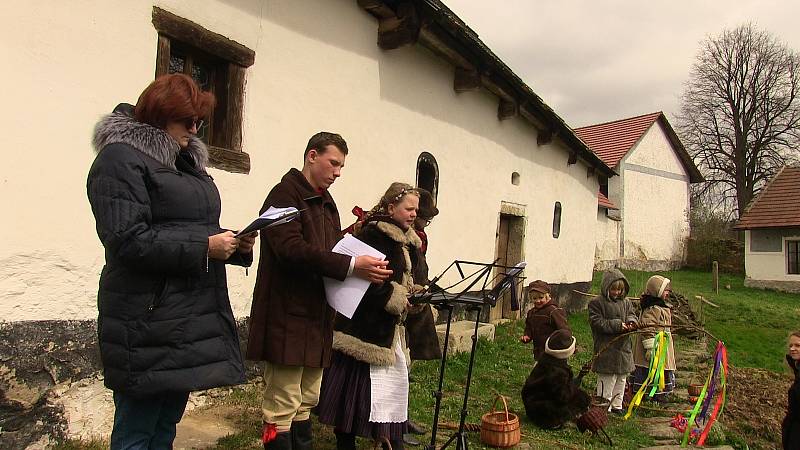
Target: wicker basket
(595, 418)
(694, 390)
(500, 428)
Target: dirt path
(202, 427)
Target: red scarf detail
(361, 217)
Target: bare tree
(740, 114)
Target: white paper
(345, 296)
(270, 218)
(273, 213)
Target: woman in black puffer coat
(790, 429)
(165, 323)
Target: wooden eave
(434, 26)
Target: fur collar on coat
(119, 128)
(408, 237)
(374, 331)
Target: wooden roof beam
(465, 80)
(573, 158)
(544, 137)
(377, 8)
(506, 109)
(402, 29)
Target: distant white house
(771, 225)
(643, 214)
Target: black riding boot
(345, 441)
(302, 436)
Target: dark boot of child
(302, 436)
(345, 441)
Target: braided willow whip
(589, 364)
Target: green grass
(501, 367)
(753, 323)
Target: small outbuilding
(771, 225)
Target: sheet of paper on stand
(345, 296)
(270, 218)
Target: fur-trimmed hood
(120, 128)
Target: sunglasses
(192, 122)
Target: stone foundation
(638, 264)
(567, 296)
(775, 285)
(51, 383)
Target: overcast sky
(595, 61)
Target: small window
(428, 173)
(515, 178)
(604, 186)
(557, 220)
(218, 65)
(793, 257)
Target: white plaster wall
(607, 233)
(655, 206)
(655, 217)
(655, 150)
(77, 60)
(767, 266)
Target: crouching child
(550, 395)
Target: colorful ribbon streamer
(656, 373)
(700, 410)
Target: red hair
(173, 97)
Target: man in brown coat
(291, 324)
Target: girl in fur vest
(655, 317)
(365, 391)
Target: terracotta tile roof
(612, 140)
(604, 202)
(777, 205)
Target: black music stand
(473, 301)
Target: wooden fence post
(715, 275)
